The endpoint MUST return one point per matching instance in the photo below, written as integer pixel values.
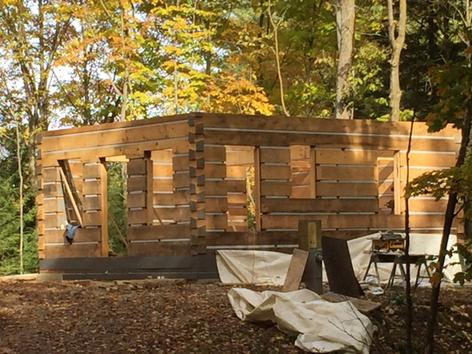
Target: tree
(275, 29)
(345, 20)
(396, 34)
(32, 34)
(454, 87)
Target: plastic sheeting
(270, 268)
(321, 326)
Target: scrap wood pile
(176, 316)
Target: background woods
(77, 62)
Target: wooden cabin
(198, 182)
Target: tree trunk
(345, 20)
(397, 42)
(409, 301)
(275, 27)
(448, 220)
(20, 174)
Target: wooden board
(295, 270)
(159, 249)
(352, 221)
(77, 249)
(270, 137)
(81, 235)
(320, 205)
(331, 189)
(342, 173)
(158, 232)
(300, 124)
(364, 306)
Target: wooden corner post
(197, 186)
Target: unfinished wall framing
(199, 182)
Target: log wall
(203, 181)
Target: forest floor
(186, 317)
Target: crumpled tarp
(321, 326)
(270, 268)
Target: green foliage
(117, 210)
(465, 252)
(440, 183)
(9, 213)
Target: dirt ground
(184, 317)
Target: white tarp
(270, 268)
(252, 267)
(420, 244)
(322, 326)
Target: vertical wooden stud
(257, 187)
(397, 183)
(312, 172)
(149, 188)
(104, 208)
